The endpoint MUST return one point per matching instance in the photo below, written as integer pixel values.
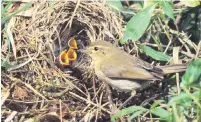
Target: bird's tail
(174, 68)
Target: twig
(12, 115)
(73, 15)
(90, 102)
(176, 61)
(198, 49)
(60, 110)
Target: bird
(123, 71)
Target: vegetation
(35, 86)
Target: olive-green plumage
(124, 71)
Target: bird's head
(99, 50)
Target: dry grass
(35, 87)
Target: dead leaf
(20, 93)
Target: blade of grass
(4, 9)
(16, 12)
(10, 35)
(168, 9)
(126, 111)
(136, 114)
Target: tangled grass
(34, 87)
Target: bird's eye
(96, 48)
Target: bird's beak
(83, 51)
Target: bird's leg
(110, 99)
(133, 93)
(147, 101)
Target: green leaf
(168, 9)
(192, 74)
(4, 19)
(183, 98)
(138, 6)
(137, 25)
(136, 114)
(7, 64)
(126, 111)
(156, 102)
(4, 9)
(186, 24)
(117, 7)
(162, 113)
(175, 116)
(160, 56)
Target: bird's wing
(132, 71)
(148, 66)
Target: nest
(34, 87)
(31, 79)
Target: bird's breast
(122, 84)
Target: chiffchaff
(123, 71)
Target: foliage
(117, 7)
(138, 24)
(5, 17)
(192, 74)
(149, 26)
(180, 104)
(160, 56)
